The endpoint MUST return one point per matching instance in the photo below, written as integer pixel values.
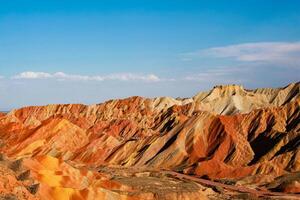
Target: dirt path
(259, 193)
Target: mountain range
(226, 143)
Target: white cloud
(270, 52)
(76, 77)
(222, 75)
(1, 77)
(32, 75)
(129, 76)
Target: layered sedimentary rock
(15, 181)
(250, 137)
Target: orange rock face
(2, 114)
(250, 137)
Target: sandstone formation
(243, 141)
(2, 114)
(15, 182)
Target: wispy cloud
(223, 75)
(77, 77)
(268, 52)
(32, 75)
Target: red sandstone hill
(225, 143)
(2, 114)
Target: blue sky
(91, 51)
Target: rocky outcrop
(16, 182)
